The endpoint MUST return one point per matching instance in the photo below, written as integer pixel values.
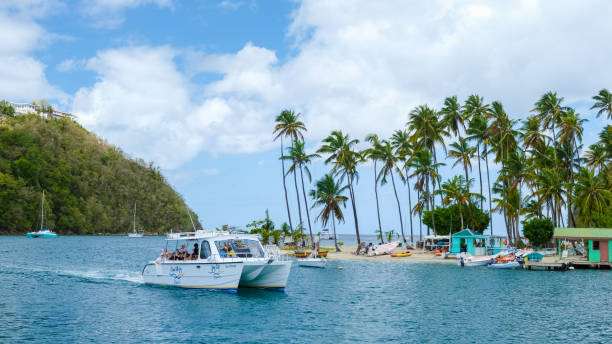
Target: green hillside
(90, 186)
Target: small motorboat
(469, 260)
(301, 254)
(321, 254)
(506, 265)
(384, 249)
(405, 254)
(312, 261)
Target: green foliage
(538, 231)
(90, 186)
(448, 217)
(6, 109)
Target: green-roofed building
(600, 241)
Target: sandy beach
(348, 253)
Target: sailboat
(42, 232)
(312, 261)
(136, 233)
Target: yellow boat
(407, 254)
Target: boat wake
(91, 275)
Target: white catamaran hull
(265, 274)
(225, 276)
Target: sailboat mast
(192, 224)
(134, 217)
(42, 210)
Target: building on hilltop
(25, 108)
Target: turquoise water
(88, 289)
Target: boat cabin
(206, 245)
(477, 244)
(599, 242)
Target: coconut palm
(452, 116)
(404, 149)
(369, 153)
(596, 157)
(550, 190)
(592, 195)
(344, 162)
(386, 154)
(301, 160)
(549, 110)
(288, 125)
(457, 190)
(603, 102)
(425, 171)
(479, 131)
(475, 107)
(329, 196)
(463, 153)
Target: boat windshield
(241, 248)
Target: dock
(582, 264)
(531, 265)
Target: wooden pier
(582, 264)
(531, 265)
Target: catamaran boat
(218, 260)
(135, 233)
(42, 232)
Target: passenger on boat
(194, 254)
(164, 254)
(181, 253)
(230, 251)
(223, 252)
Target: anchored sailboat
(135, 233)
(42, 232)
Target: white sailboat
(136, 233)
(42, 232)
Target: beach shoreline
(348, 253)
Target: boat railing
(272, 251)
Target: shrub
(538, 231)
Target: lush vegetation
(538, 231)
(544, 170)
(90, 186)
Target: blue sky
(194, 86)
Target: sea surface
(89, 289)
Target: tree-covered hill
(90, 186)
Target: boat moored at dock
(218, 260)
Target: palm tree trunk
(410, 208)
(399, 209)
(420, 218)
(434, 179)
(461, 216)
(285, 188)
(466, 176)
(352, 194)
(335, 239)
(480, 174)
(306, 207)
(297, 194)
(489, 185)
(382, 239)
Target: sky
(194, 86)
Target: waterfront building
(599, 242)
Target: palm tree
(550, 190)
(405, 151)
(288, 125)
(385, 153)
(596, 157)
(452, 117)
(370, 154)
(427, 130)
(570, 134)
(475, 107)
(425, 171)
(344, 160)
(479, 131)
(549, 110)
(457, 190)
(592, 195)
(328, 196)
(603, 102)
(464, 154)
(301, 160)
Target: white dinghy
(312, 261)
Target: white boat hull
(204, 275)
(135, 235)
(265, 274)
(509, 265)
(312, 262)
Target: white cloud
(22, 76)
(109, 14)
(359, 66)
